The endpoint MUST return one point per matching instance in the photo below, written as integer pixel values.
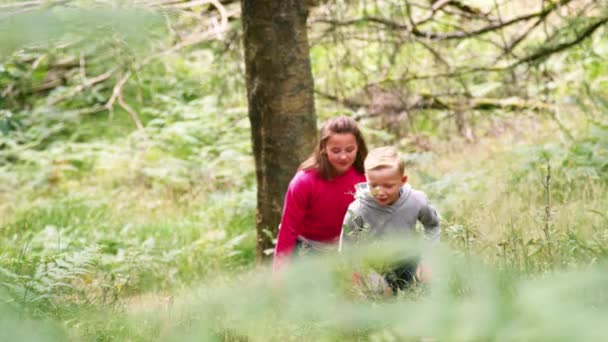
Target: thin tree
(281, 103)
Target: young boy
(386, 206)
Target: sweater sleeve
(294, 210)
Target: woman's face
(341, 150)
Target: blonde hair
(384, 157)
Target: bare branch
(412, 27)
(515, 42)
(550, 50)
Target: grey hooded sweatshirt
(399, 218)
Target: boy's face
(384, 184)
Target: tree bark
(280, 95)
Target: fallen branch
(131, 112)
(117, 95)
(78, 89)
(218, 24)
(430, 101)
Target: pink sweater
(314, 209)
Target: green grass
(143, 245)
(477, 303)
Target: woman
(320, 192)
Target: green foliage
(312, 301)
(14, 327)
(81, 22)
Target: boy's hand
(356, 279)
(423, 273)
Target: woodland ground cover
(118, 253)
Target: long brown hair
(337, 125)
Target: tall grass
(123, 260)
(313, 301)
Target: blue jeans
(402, 275)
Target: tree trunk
(281, 103)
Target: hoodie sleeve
(347, 226)
(354, 227)
(430, 220)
